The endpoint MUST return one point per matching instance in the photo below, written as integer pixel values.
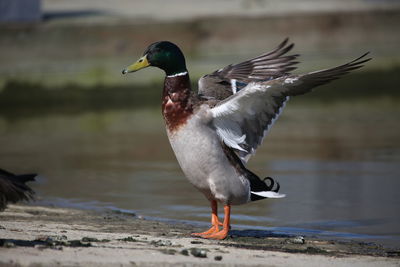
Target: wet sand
(48, 236)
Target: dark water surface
(338, 164)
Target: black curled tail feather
(256, 184)
(271, 185)
(14, 189)
(267, 184)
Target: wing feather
(270, 65)
(250, 113)
(242, 71)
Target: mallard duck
(215, 131)
(13, 188)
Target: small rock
(196, 242)
(79, 243)
(9, 244)
(185, 252)
(60, 237)
(198, 252)
(161, 243)
(128, 239)
(218, 258)
(296, 240)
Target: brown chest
(176, 104)
(175, 111)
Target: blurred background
(97, 138)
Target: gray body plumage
(199, 152)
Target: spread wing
(243, 119)
(227, 81)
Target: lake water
(338, 164)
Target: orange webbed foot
(214, 229)
(218, 235)
(214, 221)
(213, 232)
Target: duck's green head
(164, 55)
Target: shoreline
(67, 51)
(48, 235)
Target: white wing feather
(243, 120)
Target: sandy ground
(34, 235)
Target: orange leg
(226, 226)
(214, 221)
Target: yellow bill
(140, 64)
